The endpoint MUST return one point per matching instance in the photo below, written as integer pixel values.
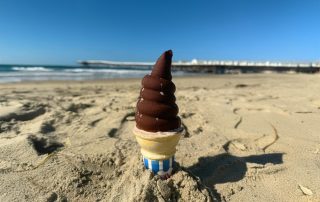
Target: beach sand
(248, 138)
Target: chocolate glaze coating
(156, 108)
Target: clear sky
(64, 31)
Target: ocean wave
(32, 69)
(25, 73)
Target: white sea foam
(32, 69)
(68, 74)
(36, 73)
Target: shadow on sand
(228, 168)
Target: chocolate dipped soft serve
(156, 108)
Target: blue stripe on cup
(145, 161)
(155, 166)
(160, 167)
(166, 165)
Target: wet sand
(248, 138)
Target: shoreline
(202, 76)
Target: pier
(217, 67)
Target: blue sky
(64, 31)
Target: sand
(248, 138)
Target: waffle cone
(158, 145)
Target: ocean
(19, 73)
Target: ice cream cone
(158, 126)
(158, 149)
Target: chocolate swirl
(156, 107)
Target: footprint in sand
(267, 140)
(77, 107)
(248, 145)
(44, 145)
(21, 112)
(123, 129)
(47, 127)
(193, 124)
